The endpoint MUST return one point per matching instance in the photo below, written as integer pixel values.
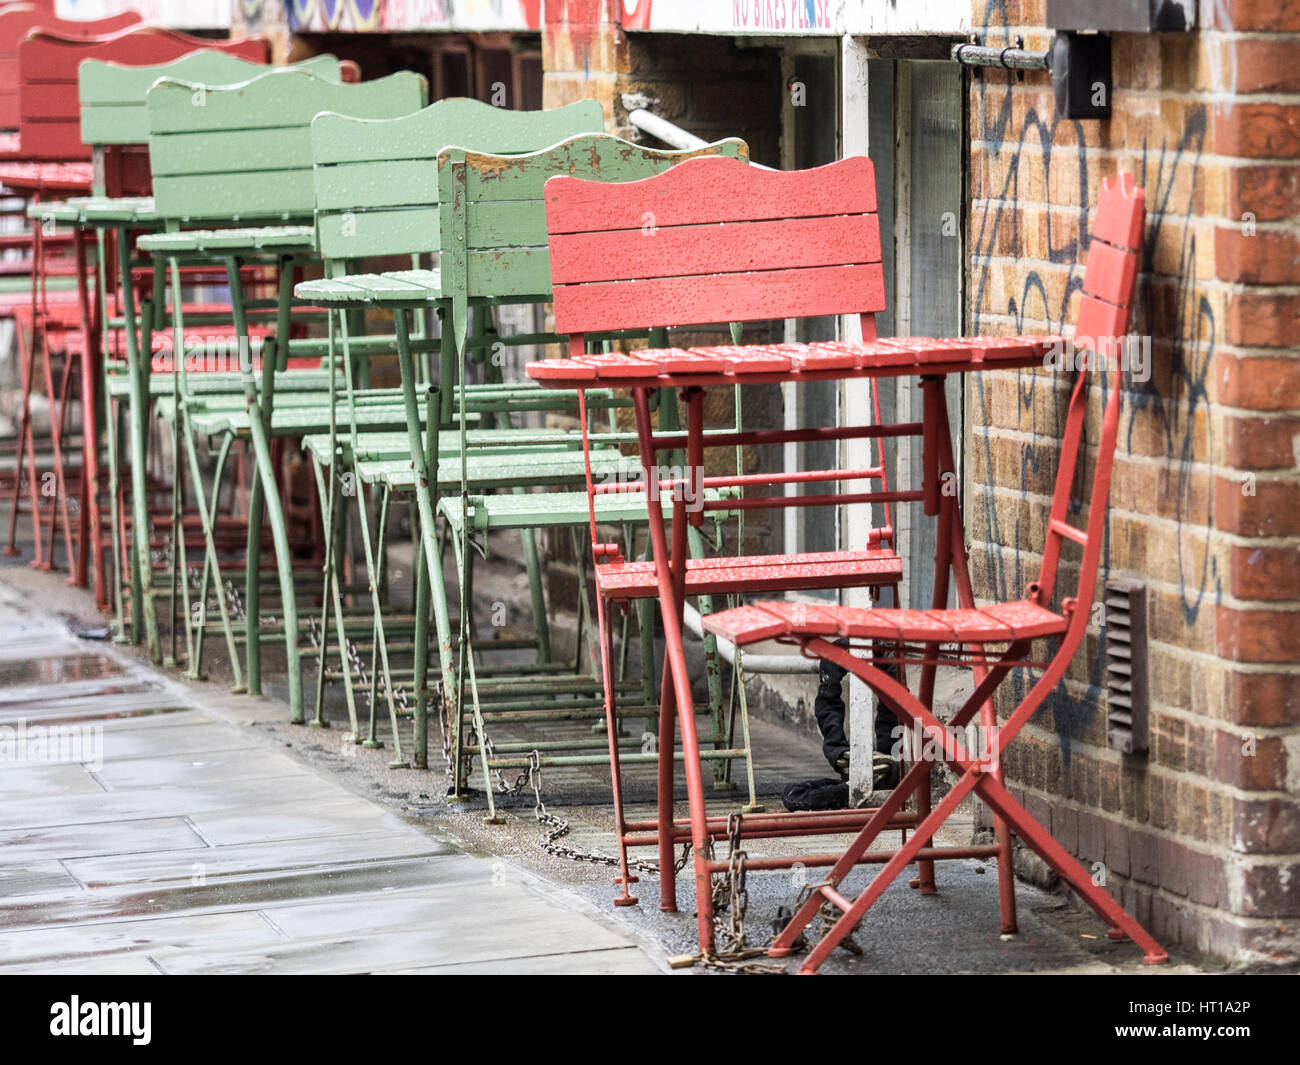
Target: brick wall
(1201, 839)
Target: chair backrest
(493, 224)
(1109, 286)
(112, 95)
(18, 20)
(49, 123)
(240, 152)
(376, 181)
(715, 240)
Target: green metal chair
(374, 186)
(491, 235)
(239, 157)
(114, 122)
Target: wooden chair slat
(377, 181)
(718, 191)
(112, 95)
(206, 143)
(694, 300)
(714, 249)
(18, 21)
(1110, 272)
(48, 65)
(1116, 222)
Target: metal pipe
(978, 55)
(751, 663)
(662, 129)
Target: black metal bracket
(1079, 64)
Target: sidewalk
(177, 839)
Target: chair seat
(726, 364)
(230, 241)
(768, 573)
(88, 210)
(398, 286)
(390, 445)
(998, 623)
(498, 471)
(537, 510)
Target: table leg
(988, 715)
(670, 572)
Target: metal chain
(234, 601)
(731, 896)
(557, 827)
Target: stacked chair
(27, 176)
(316, 229)
(50, 141)
(488, 228)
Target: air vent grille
(1125, 634)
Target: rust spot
(494, 166)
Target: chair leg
(211, 571)
(421, 673)
(91, 527)
(625, 878)
(331, 595)
(428, 526)
(142, 612)
(260, 409)
(1122, 925)
(903, 857)
(117, 531)
(23, 342)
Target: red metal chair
(967, 634)
(727, 244)
(16, 22)
(50, 157)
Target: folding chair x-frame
(1103, 319)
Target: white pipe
(751, 663)
(662, 129)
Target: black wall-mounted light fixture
(1079, 58)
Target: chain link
(557, 828)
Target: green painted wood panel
(369, 174)
(455, 120)
(244, 151)
(113, 96)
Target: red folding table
(692, 371)
(731, 242)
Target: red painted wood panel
(18, 21)
(1098, 319)
(1110, 273)
(727, 247)
(49, 105)
(740, 297)
(1119, 215)
(710, 189)
(745, 624)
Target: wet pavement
(144, 830)
(198, 831)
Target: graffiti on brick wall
(1173, 307)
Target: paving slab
(142, 831)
